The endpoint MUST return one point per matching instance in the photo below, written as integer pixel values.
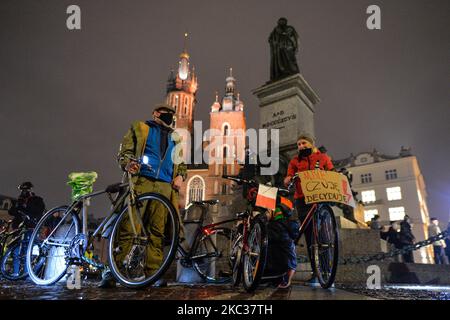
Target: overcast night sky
(67, 97)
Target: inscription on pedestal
(287, 105)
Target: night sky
(67, 97)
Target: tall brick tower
(181, 90)
(228, 119)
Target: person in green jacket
(159, 143)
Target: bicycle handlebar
(291, 184)
(26, 216)
(239, 180)
(141, 162)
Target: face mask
(167, 118)
(304, 153)
(25, 194)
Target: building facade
(392, 187)
(5, 204)
(224, 145)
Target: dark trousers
(439, 255)
(408, 257)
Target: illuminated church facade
(224, 146)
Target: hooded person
(28, 208)
(309, 157)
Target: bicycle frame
(201, 229)
(83, 202)
(17, 235)
(307, 220)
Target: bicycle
(61, 237)
(250, 242)
(324, 240)
(14, 244)
(209, 253)
(4, 235)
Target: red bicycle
(250, 242)
(324, 244)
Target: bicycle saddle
(210, 202)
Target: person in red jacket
(308, 158)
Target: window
(224, 189)
(369, 214)
(225, 170)
(225, 152)
(396, 213)
(196, 188)
(394, 193)
(366, 178)
(391, 174)
(368, 196)
(225, 130)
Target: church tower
(181, 90)
(228, 121)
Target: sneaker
(284, 285)
(160, 283)
(313, 282)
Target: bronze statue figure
(283, 48)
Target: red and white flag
(267, 197)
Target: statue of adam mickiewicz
(283, 48)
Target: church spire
(230, 84)
(183, 69)
(181, 90)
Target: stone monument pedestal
(288, 105)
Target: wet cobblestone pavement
(26, 290)
(402, 292)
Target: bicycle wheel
(254, 254)
(13, 262)
(138, 260)
(211, 258)
(235, 257)
(46, 254)
(324, 246)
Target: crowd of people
(399, 235)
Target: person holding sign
(309, 158)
